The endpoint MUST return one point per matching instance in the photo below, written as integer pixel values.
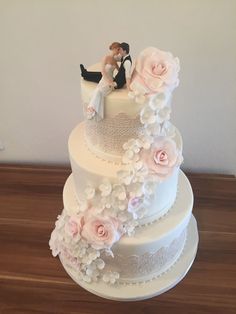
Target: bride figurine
(106, 85)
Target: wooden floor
(32, 281)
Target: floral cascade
(109, 211)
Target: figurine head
(124, 49)
(115, 48)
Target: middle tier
(88, 169)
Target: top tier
(126, 114)
(121, 121)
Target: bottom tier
(148, 289)
(153, 250)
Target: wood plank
(213, 186)
(32, 281)
(56, 298)
(215, 214)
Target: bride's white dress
(96, 104)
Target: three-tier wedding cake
(127, 231)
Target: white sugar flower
(119, 198)
(141, 174)
(105, 202)
(119, 204)
(138, 165)
(92, 273)
(79, 249)
(138, 206)
(146, 140)
(141, 212)
(89, 272)
(134, 204)
(93, 253)
(95, 275)
(125, 216)
(83, 244)
(119, 192)
(132, 144)
(87, 278)
(87, 259)
(60, 221)
(110, 212)
(138, 97)
(89, 192)
(163, 114)
(136, 189)
(125, 176)
(71, 240)
(168, 129)
(149, 188)
(80, 252)
(130, 226)
(132, 148)
(73, 209)
(153, 129)
(99, 263)
(105, 187)
(82, 204)
(108, 252)
(93, 265)
(158, 101)
(128, 156)
(122, 205)
(138, 92)
(147, 115)
(110, 277)
(54, 244)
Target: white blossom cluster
(78, 254)
(127, 200)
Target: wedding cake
(127, 231)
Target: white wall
(43, 42)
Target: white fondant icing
(123, 291)
(139, 268)
(107, 137)
(159, 235)
(89, 169)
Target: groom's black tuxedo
(120, 78)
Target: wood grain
(32, 281)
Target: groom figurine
(122, 77)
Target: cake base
(151, 288)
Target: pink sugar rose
(156, 70)
(163, 157)
(74, 225)
(101, 232)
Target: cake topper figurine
(106, 82)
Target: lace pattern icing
(111, 133)
(135, 267)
